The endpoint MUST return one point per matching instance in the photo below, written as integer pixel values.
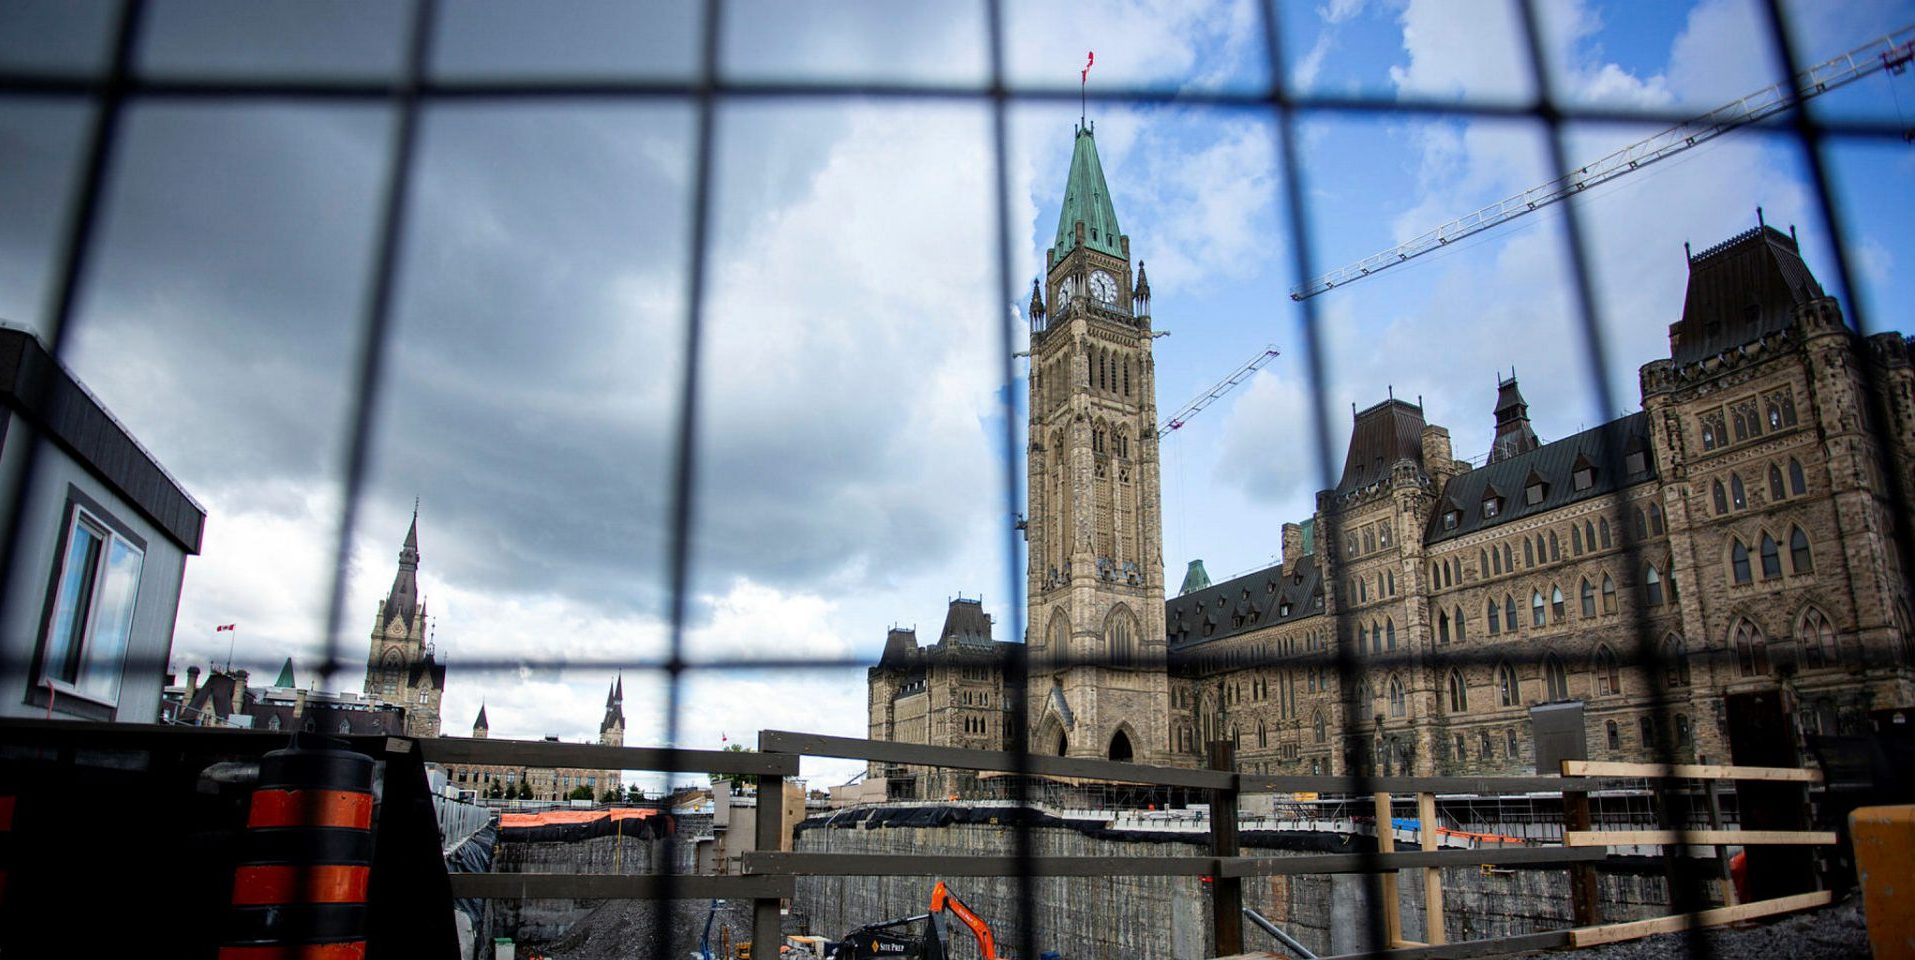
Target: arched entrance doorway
(1120, 746)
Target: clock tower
(1098, 686)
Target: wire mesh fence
(689, 71)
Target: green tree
(634, 795)
(611, 795)
(525, 789)
(495, 791)
(580, 792)
(733, 748)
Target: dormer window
(1451, 518)
(1535, 491)
(1636, 461)
(1492, 505)
(1584, 477)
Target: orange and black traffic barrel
(299, 891)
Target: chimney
(239, 691)
(1437, 460)
(299, 703)
(192, 685)
(1292, 545)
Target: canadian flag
(1089, 58)
(225, 626)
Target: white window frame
(91, 669)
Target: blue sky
(850, 441)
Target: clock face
(1067, 289)
(1103, 287)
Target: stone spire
(480, 727)
(403, 601)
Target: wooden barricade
(1576, 833)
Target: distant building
(402, 668)
(226, 700)
(101, 552)
(948, 693)
(545, 783)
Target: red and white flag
(225, 626)
(1089, 58)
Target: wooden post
(1226, 893)
(1723, 878)
(1582, 876)
(1386, 843)
(767, 933)
(1432, 876)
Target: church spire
(1087, 202)
(403, 600)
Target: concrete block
(1884, 840)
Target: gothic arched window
(1775, 483)
(1317, 728)
(1655, 519)
(1800, 560)
(1739, 562)
(1556, 602)
(1751, 650)
(1459, 692)
(1442, 626)
(1495, 622)
(1652, 586)
(1816, 639)
(1608, 594)
(1556, 677)
(1509, 613)
(1608, 673)
(1536, 615)
(1507, 691)
(1676, 663)
(1771, 558)
(1589, 598)
(1721, 499)
(1389, 628)
(1798, 484)
(1399, 704)
(1738, 494)
(1120, 631)
(1459, 624)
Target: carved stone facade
(1743, 532)
(401, 668)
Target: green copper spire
(285, 674)
(1087, 198)
(1194, 578)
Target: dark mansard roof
(1553, 464)
(965, 622)
(1383, 434)
(1741, 290)
(1250, 602)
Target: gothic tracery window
(1816, 640)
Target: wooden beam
(1687, 771)
(1386, 843)
(1611, 933)
(1432, 878)
(1694, 838)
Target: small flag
(1089, 58)
(225, 626)
(721, 737)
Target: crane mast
(1891, 52)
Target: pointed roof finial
(1758, 218)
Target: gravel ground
(1831, 933)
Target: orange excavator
(920, 937)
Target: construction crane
(1892, 53)
(1217, 390)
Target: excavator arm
(943, 899)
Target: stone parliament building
(1737, 534)
(403, 670)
